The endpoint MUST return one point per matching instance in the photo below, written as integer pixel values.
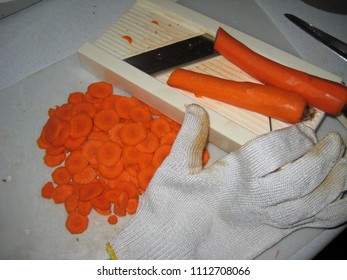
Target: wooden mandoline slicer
(153, 24)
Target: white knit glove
(242, 204)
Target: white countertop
(52, 30)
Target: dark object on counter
(332, 6)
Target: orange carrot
(145, 175)
(81, 125)
(98, 135)
(100, 89)
(75, 97)
(124, 105)
(108, 153)
(113, 133)
(111, 172)
(129, 155)
(101, 202)
(52, 128)
(160, 126)
(85, 176)
(71, 203)
(53, 151)
(84, 107)
(128, 187)
(112, 219)
(74, 143)
(145, 160)
(61, 176)
(205, 156)
(132, 133)
(149, 144)
(119, 211)
(75, 162)
(104, 212)
(64, 111)
(140, 114)
(62, 192)
(128, 38)
(122, 200)
(89, 150)
(132, 205)
(323, 94)
(42, 142)
(105, 119)
(110, 101)
(160, 154)
(168, 138)
(54, 160)
(63, 135)
(84, 207)
(76, 223)
(47, 190)
(88, 191)
(270, 101)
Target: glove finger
(186, 152)
(313, 206)
(273, 150)
(305, 174)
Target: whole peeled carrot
(270, 101)
(329, 96)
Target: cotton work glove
(240, 205)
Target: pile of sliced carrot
(104, 149)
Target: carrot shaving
(132, 205)
(127, 38)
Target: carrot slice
(128, 187)
(76, 223)
(52, 128)
(124, 105)
(85, 176)
(71, 203)
(111, 172)
(104, 212)
(84, 107)
(205, 156)
(112, 219)
(132, 133)
(98, 135)
(63, 135)
(64, 111)
(129, 155)
(73, 144)
(145, 160)
(100, 89)
(160, 154)
(323, 94)
(47, 190)
(81, 125)
(75, 162)
(122, 200)
(105, 119)
(113, 133)
(110, 101)
(160, 126)
(168, 138)
(132, 205)
(51, 150)
(89, 191)
(108, 153)
(101, 202)
(145, 176)
(62, 192)
(119, 211)
(149, 144)
(84, 207)
(75, 97)
(61, 176)
(140, 114)
(270, 101)
(89, 150)
(54, 160)
(42, 142)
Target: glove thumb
(186, 152)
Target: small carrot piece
(85, 176)
(127, 38)
(63, 135)
(71, 203)
(47, 190)
(98, 135)
(52, 128)
(84, 207)
(62, 192)
(104, 212)
(160, 154)
(64, 112)
(73, 144)
(323, 94)
(168, 138)
(132, 133)
(106, 119)
(89, 150)
(132, 205)
(119, 211)
(124, 105)
(145, 160)
(113, 133)
(75, 97)
(81, 125)
(205, 156)
(100, 89)
(129, 155)
(84, 107)
(76, 223)
(42, 142)
(160, 126)
(122, 200)
(53, 151)
(128, 187)
(270, 101)
(101, 202)
(88, 191)
(145, 176)
(140, 114)
(111, 172)
(75, 162)
(108, 153)
(61, 176)
(54, 160)
(112, 219)
(110, 101)
(149, 144)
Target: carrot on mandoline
(71, 203)
(85, 176)
(47, 190)
(76, 223)
(62, 192)
(112, 219)
(145, 175)
(132, 133)
(54, 160)
(89, 150)
(160, 154)
(149, 144)
(89, 191)
(108, 153)
(81, 125)
(75, 162)
(111, 172)
(61, 176)
(75, 97)
(100, 89)
(323, 94)
(270, 101)
(132, 205)
(160, 126)
(140, 114)
(84, 107)
(123, 106)
(84, 207)
(106, 119)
